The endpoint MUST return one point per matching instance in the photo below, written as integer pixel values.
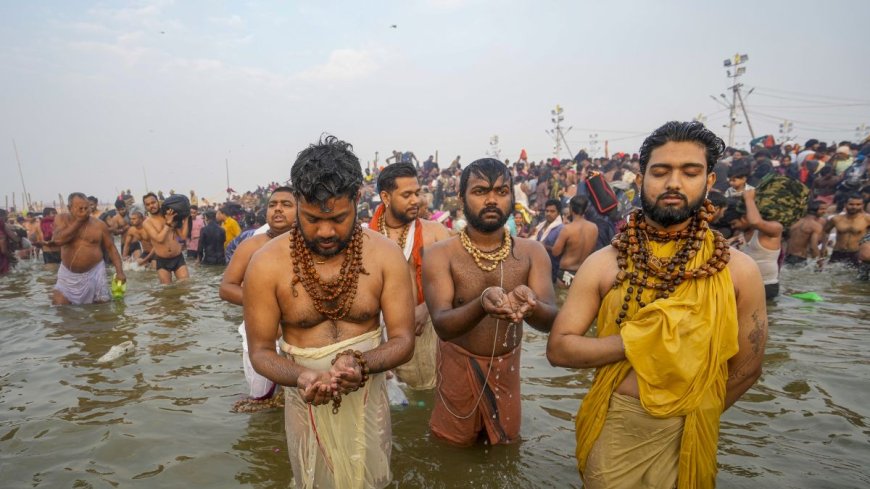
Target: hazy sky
(93, 92)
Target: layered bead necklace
(664, 274)
(342, 289)
(494, 257)
(382, 224)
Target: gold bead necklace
(496, 256)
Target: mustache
(491, 209)
(673, 194)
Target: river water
(160, 416)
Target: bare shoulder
(441, 249)
(528, 246)
(743, 270)
(435, 229)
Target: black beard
(314, 244)
(667, 216)
(402, 218)
(477, 222)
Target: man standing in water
(325, 282)
(163, 233)
(396, 218)
(280, 217)
(805, 236)
(576, 240)
(681, 323)
(850, 227)
(479, 287)
(81, 278)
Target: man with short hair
(93, 203)
(196, 224)
(210, 245)
(397, 218)
(548, 231)
(759, 239)
(83, 239)
(576, 241)
(50, 252)
(280, 218)
(136, 239)
(805, 236)
(851, 226)
(166, 234)
(230, 225)
(681, 327)
(480, 288)
(341, 276)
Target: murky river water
(160, 417)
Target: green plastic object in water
(808, 296)
(118, 288)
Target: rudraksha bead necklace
(342, 289)
(664, 274)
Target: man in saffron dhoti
(397, 217)
(480, 286)
(681, 327)
(326, 281)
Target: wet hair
(326, 170)
(120, 204)
(814, 206)
(387, 178)
(93, 199)
(76, 195)
(149, 194)
(678, 132)
(555, 203)
(490, 169)
(578, 204)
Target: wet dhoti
(476, 393)
(419, 373)
(350, 449)
(634, 449)
(259, 387)
(83, 288)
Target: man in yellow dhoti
(681, 327)
(325, 282)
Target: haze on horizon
(98, 94)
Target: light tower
(785, 128)
(735, 64)
(494, 150)
(557, 133)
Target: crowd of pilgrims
(817, 176)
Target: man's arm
(66, 231)
(567, 345)
(109, 247)
(153, 234)
(450, 322)
(815, 239)
(262, 313)
(231, 284)
(559, 246)
(744, 368)
(543, 304)
(771, 229)
(397, 306)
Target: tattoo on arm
(756, 338)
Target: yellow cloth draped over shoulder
(679, 348)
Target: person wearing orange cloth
(681, 327)
(480, 287)
(397, 219)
